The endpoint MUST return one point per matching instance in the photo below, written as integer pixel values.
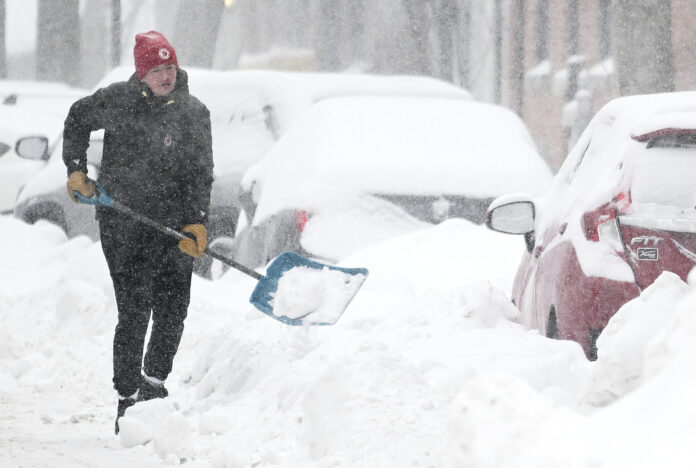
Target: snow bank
(427, 367)
(635, 409)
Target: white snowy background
(427, 367)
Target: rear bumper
(584, 311)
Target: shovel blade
(299, 291)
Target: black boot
(151, 388)
(123, 405)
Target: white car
(46, 97)
(358, 170)
(240, 119)
(249, 111)
(26, 139)
(45, 198)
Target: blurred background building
(554, 62)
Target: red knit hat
(152, 49)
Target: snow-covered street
(427, 367)
(368, 136)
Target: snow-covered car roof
(20, 122)
(398, 145)
(312, 86)
(38, 88)
(45, 97)
(250, 109)
(591, 172)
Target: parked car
(46, 97)
(44, 197)
(249, 111)
(26, 139)
(620, 211)
(357, 170)
(241, 125)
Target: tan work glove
(77, 181)
(197, 247)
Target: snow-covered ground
(426, 368)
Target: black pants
(151, 276)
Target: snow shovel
(295, 290)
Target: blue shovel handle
(264, 292)
(101, 198)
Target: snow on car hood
(352, 223)
(397, 145)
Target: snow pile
(625, 343)
(635, 410)
(427, 367)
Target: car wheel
(201, 266)
(594, 335)
(552, 324)
(51, 214)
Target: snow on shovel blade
(299, 291)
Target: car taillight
(301, 218)
(600, 224)
(622, 202)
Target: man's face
(161, 79)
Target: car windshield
(664, 179)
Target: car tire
(201, 266)
(552, 324)
(50, 213)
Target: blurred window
(665, 176)
(542, 30)
(573, 21)
(604, 28)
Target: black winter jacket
(157, 149)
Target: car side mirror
(32, 147)
(514, 217)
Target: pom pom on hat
(152, 49)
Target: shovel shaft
(237, 266)
(264, 295)
(178, 235)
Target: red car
(620, 211)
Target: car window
(571, 174)
(4, 148)
(664, 176)
(271, 120)
(591, 156)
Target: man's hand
(197, 247)
(77, 182)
